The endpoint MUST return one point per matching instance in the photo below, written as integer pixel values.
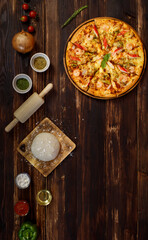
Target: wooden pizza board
(66, 147)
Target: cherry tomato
(32, 14)
(24, 18)
(31, 29)
(25, 6)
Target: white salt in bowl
(22, 180)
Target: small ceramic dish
(20, 85)
(22, 180)
(38, 61)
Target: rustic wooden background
(101, 190)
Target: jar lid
(44, 197)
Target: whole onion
(23, 42)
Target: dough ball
(45, 146)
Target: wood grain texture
(100, 190)
(142, 130)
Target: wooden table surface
(100, 191)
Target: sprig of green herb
(74, 15)
(105, 59)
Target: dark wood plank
(6, 102)
(100, 190)
(121, 144)
(142, 130)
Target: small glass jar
(44, 197)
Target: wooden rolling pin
(30, 106)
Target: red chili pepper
(118, 49)
(80, 46)
(96, 30)
(75, 58)
(105, 43)
(133, 55)
(122, 33)
(122, 69)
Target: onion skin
(23, 42)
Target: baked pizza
(104, 57)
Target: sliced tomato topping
(133, 55)
(75, 58)
(96, 30)
(122, 69)
(80, 46)
(122, 32)
(105, 43)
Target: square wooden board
(66, 147)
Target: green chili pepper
(74, 15)
(106, 81)
(28, 231)
(74, 65)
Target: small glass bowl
(22, 75)
(44, 197)
(21, 208)
(40, 55)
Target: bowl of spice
(21, 208)
(22, 180)
(22, 83)
(40, 62)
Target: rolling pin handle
(46, 90)
(11, 125)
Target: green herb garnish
(74, 15)
(88, 53)
(74, 65)
(105, 59)
(121, 43)
(117, 31)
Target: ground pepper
(39, 63)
